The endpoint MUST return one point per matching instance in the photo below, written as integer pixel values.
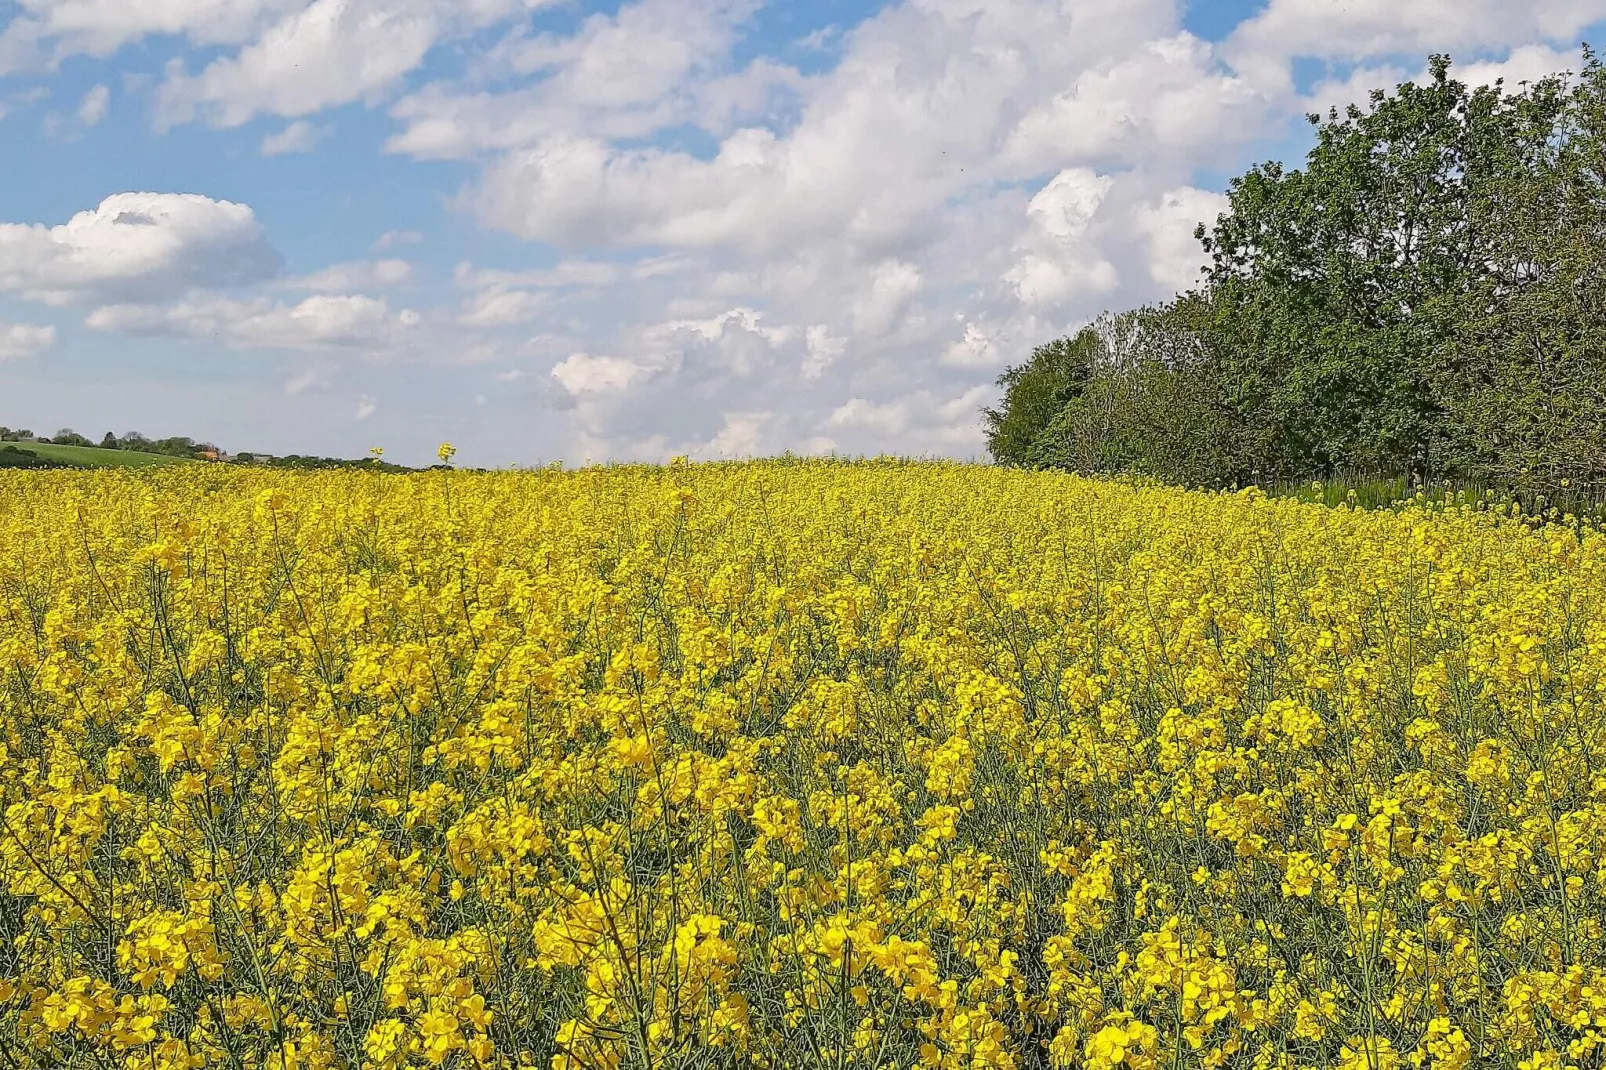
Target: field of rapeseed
(792, 764)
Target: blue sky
(549, 229)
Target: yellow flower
(928, 764)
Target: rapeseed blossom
(792, 764)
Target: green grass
(1386, 493)
(94, 457)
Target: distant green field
(94, 457)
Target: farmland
(94, 457)
(793, 763)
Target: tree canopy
(1423, 296)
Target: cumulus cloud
(1056, 262)
(51, 29)
(300, 136)
(741, 435)
(505, 298)
(1175, 255)
(305, 380)
(302, 57)
(136, 247)
(965, 182)
(1362, 29)
(19, 340)
(353, 275)
(647, 66)
(498, 306)
(824, 349)
(1527, 64)
(321, 322)
(393, 239)
(975, 349)
(584, 374)
(929, 103)
(892, 289)
(328, 53)
(96, 103)
(576, 272)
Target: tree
(1427, 295)
(1527, 402)
(1339, 290)
(109, 442)
(1034, 392)
(1153, 405)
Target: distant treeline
(297, 460)
(13, 457)
(1427, 296)
(132, 441)
(176, 446)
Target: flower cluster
(792, 764)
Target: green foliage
(1426, 296)
(1035, 391)
(95, 457)
(14, 457)
(68, 437)
(1153, 406)
(174, 446)
(306, 463)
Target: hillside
(95, 457)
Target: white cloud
(353, 275)
(928, 104)
(1166, 96)
(322, 54)
(366, 407)
(328, 53)
(306, 380)
(582, 374)
(96, 103)
(506, 298)
(824, 349)
(741, 436)
(1529, 63)
(498, 306)
(564, 273)
(886, 301)
(136, 247)
(392, 239)
(323, 321)
(19, 340)
(299, 136)
(975, 350)
(1361, 29)
(1175, 255)
(896, 227)
(887, 419)
(51, 29)
(650, 65)
(1057, 264)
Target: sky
(580, 231)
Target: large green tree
(1340, 289)
(1427, 295)
(1034, 392)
